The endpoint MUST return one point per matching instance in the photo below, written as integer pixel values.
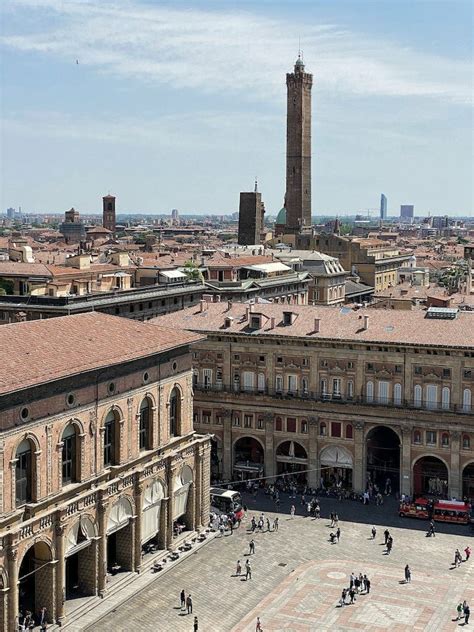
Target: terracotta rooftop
(40, 351)
(19, 268)
(385, 326)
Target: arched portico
(336, 467)
(37, 581)
(430, 476)
(292, 460)
(383, 458)
(80, 552)
(468, 481)
(249, 458)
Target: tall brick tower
(298, 148)
(108, 212)
(251, 217)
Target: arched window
(417, 437)
(466, 442)
(144, 430)
(397, 394)
(111, 435)
(417, 394)
(369, 390)
(445, 440)
(348, 431)
(466, 400)
(69, 455)
(24, 473)
(322, 429)
(175, 412)
(445, 397)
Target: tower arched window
(175, 412)
(69, 455)
(144, 430)
(24, 473)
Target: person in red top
(467, 551)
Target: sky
(182, 104)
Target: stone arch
(30, 436)
(85, 524)
(120, 511)
(296, 443)
(153, 493)
(149, 395)
(467, 478)
(249, 436)
(117, 410)
(74, 421)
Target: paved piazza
(298, 577)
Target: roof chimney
(229, 305)
(202, 303)
(317, 323)
(366, 323)
(272, 322)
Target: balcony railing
(336, 398)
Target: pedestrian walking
(351, 580)
(275, 524)
(459, 611)
(342, 600)
(338, 534)
(189, 604)
(431, 531)
(467, 613)
(231, 525)
(332, 519)
(318, 512)
(251, 547)
(292, 511)
(457, 558)
(248, 571)
(258, 626)
(407, 574)
(352, 595)
(183, 599)
(374, 533)
(389, 544)
(196, 625)
(387, 535)
(238, 570)
(254, 524)
(336, 520)
(268, 524)
(467, 551)
(367, 584)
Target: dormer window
(255, 322)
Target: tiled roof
(385, 326)
(8, 268)
(41, 351)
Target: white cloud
(235, 51)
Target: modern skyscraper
(108, 212)
(383, 206)
(407, 212)
(251, 211)
(298, 148)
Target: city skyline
(181, 105)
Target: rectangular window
(279, 359)
(350, 365)
(260, 424)
(418, 370)
(292, 384)
(323, 387)
(350, 389)
(278, 424)
(291, 424)
(304, 426)
(219, 420)
(467, 373)
(336, 387)
(398, 368)
(195, 418)
(206, 416)
(219, 377)
(430, 437)
(335, 429)
(382, 395)
(278, 383)
(109, 443)
(236, 421)
(370, 367)
(248, 419)
(446, 373)
(431, 396)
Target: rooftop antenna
(256, 184)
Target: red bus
(455, 511)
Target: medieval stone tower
(108, 212)
(251, 217)
(298, 148)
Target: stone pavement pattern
(297, 581)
